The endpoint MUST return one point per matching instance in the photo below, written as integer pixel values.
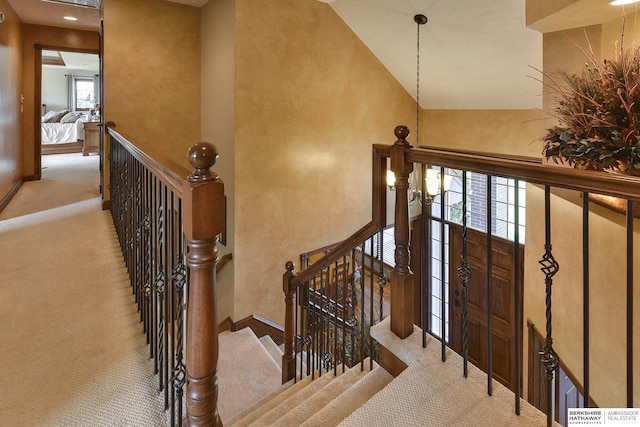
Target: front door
(502, 301)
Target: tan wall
(612, 39)
(537, 10)
(607, 257)
(560, 53)
(51, 37)
(310, 102)
(10, 90)
(152, 73)
(514, 132)
(218, 69)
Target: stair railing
(326, 321)
(404, 157)
(307, 310)
(168, 219)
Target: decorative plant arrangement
(599, 114)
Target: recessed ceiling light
(70, 18)
(622, 2)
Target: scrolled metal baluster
(307, 344)
(382, 281)
(138, 249)
(464, 273)
(326, 360)
(179, 373)
(549, 267)
(159, 304)
(160, 290)
(146, 289)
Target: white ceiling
(52, 14)
(473, 54)
(75, 60)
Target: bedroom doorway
(68, 103)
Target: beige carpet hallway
(72, 352)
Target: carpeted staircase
(427, 393)
(250, 392)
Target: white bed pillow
(48, 116)
(71, 117)
(57, 116)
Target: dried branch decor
(599, 114)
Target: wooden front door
(502, 301)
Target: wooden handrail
(612, 184)
(203, 219)
(168, 171)
(291, 281)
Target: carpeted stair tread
(354, 397)
(272, 348)
(287, 400)
(308, 407)
(264, 401)
(269, 404)
(430, 383)
(246, 372)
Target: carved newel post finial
(202, 157)
(402, 133)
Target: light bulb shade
(432, 182)
(391, 179)
(622, 2)
(447, 182)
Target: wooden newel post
(401, 276)
(203, 207)
(289, 357)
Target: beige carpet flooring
(66, 179)
(246, 372)
(436, 394)
(72, 351)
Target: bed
(62, 132)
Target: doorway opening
(68, 103)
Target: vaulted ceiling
(473, 54)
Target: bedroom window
(82, 93)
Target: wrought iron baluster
(425, 250)
(178, 378)
(382, 278)
(629, 229)
(489, 256)
(160, 296)
(362, 306)
(516, 295)
(174, 305)
(549, 267)
(147, 273)
(464, 273)
(585, 298)
(443, 269)
(137, 247)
